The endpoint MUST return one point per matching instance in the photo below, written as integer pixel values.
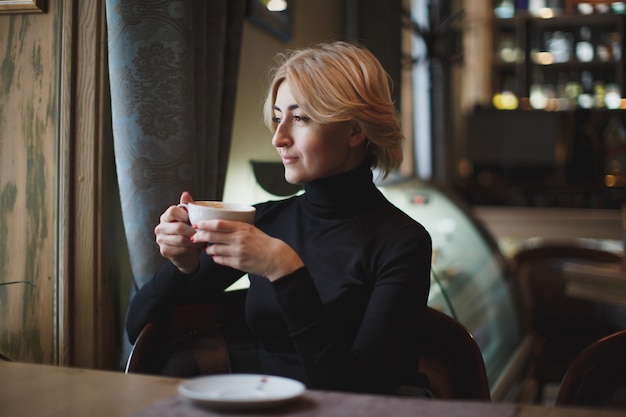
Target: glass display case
(470, 279)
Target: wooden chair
(451, 359)
(208, 339)
(597, 377)
(197, 340)
(562, 325)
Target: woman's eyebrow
(291, 107)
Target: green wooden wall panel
(28, 165)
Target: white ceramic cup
(209, 210)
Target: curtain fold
(173, 66)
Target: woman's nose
(281, 136)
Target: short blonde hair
(337, 82)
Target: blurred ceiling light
(277, 5)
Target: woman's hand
(244, 247)
(173, 235)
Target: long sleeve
(169, 288)
(361, 343)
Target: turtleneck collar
(352, 190)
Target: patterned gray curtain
(173, 70)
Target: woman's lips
(288, 159)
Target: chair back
(561, 324)
(214, 338)
(597, 377)
(197, 340)
(451, 359)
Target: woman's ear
(357, 135)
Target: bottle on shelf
(504, 9)
(584, 47)
(599, 94)
(615, 45)
(614, 138)
(538, 95)
(573, 89)
(613, 96)
(584, 8)
(618, 7)
(506, 98)
(559, 45)
(585, 98)
(603, 49)
(508, 50)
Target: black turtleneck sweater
(349, 320)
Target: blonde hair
(337, 82)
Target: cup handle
(184, 207)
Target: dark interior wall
(378, 26)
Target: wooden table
(41, 390)
(47, 391)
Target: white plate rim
(207, 398)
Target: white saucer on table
(240, 391)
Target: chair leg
(538, 370)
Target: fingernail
(192, 237)
(195, 226)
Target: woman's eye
(298, 118)
(276, 120)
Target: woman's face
(311, 150)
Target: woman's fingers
(243, 246)
(222, 231)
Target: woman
(339, 277)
